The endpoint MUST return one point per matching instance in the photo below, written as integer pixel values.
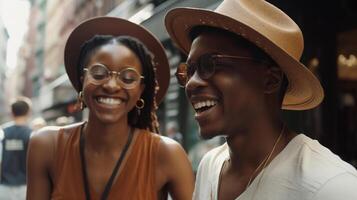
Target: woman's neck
(105, 137)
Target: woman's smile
(109, 101)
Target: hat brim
(304, 90)
(116, 27)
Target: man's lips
(203, 103)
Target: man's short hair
(21, 106)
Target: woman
(116, 153)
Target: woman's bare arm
(39, 160)
(177, 169)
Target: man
(14, 150)
(242, 69)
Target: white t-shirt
(304, 170)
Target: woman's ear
(142, 88)
(273, 80)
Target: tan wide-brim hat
(115, 27)
(265, 26)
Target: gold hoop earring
(140, 105)
(80, 100)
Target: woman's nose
(112, 84)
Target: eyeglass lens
(128, 78)
(207, 64)
(205, 68)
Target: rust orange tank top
(136, 179)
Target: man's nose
(194, 82)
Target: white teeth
(110, 101)
(207, 103)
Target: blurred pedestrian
(37, 123)
(14, 150)
(62, 121)
(242, 69)
(173, 132)
(121, 73)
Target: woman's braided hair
(147, 118)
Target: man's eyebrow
(189, 60)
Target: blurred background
(33, 35)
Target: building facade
(4, 36)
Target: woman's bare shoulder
(42, 145)
(169, 144)
(175, 168)
(170, 151)
(45, 136)
(45, 139)
(49, 134)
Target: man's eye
(191, 70)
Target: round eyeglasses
(206, 66)
(127, 78)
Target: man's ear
(81, 79)
(273, 80)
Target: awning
(156, 22)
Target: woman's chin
(109, 118)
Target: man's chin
(206, 135)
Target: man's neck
(250, 147)
(21, 120)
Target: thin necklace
(266, 159)
(109, 184)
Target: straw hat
(116, 27)
(268, 28)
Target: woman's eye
(128, 80)
(129, 77)
(99, 75)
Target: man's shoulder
(342, 186)
(7, 124)
(9, 127)
(213, 158)
(208, 172)
(315, 154)
(309, 165)
(17, 131)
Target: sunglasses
(127, 78)
(207, 65)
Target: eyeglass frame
(116, 73)
(216, 58)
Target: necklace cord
(109, 184)
(267, 158)
(271, 153)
